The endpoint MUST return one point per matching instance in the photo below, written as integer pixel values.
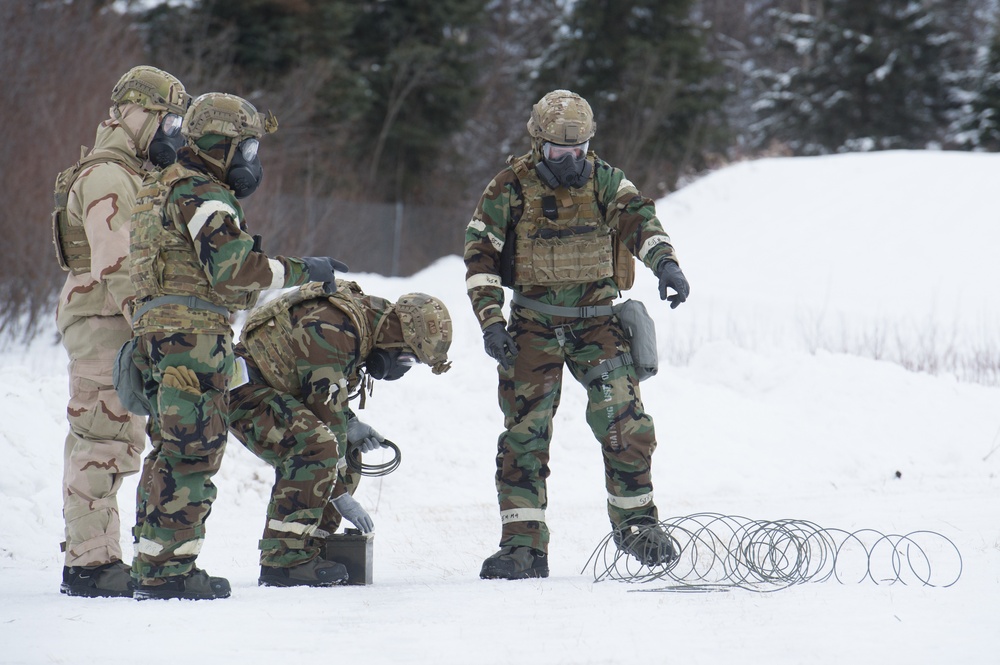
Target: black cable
(715, 552)
(355, 463)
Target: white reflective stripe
(477, 225)
(522, 515)
(190, 548)
(241, 376)
(626, 184)
(482, 279)
(630, 502)
(498, 243)
(292, 527)
(206, 210)
(146, 546)
(650, 244)
(277, 274)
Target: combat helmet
(426, 328)
(562, 117)
(224, 115)
(151, 88)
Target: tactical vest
(267, 334)
(563, 237)
(164, 260)
(72, 247)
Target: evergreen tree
(865, 75)
(983, 127)
(643, 66)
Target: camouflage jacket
(101, 201)
(209, 253)
(327, 352)
(502, 204)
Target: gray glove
(323, 269)
(352, 511)
(499, 344)
(363, 436)
(670, 275)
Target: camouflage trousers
(529, 396)
(285, 433)
(104, 444)
(186, 377)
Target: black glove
(671, 276)
(499, 344)
(323, 269)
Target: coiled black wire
(722, 552)
(375, 470)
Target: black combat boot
(109, 580)
(196, 585)
(515, 563)
(316, 572)
(646, 540)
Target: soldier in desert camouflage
(91, 230)
(300, 358)
(560, 227)
(192, 264)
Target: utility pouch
(641, 333)
(128, 383)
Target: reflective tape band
(630, 502)
(146, 546)
(277, 274)
(522, 515)
(482, 279)
(497, 243)
(477, 225)
(292, 527)
(650, 244)
(205, 211)
(626, 185)
(190, 548)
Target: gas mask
(245, 171)
(389, 365)
(564, 165)
(166, 141)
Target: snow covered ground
(759, 413)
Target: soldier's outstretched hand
(499, 344)
(671, 277)
(323, 269)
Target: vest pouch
(568, 260)
(641, 333)
(128, 382)
(624, 266)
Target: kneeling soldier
(303, 355)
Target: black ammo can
(354, 550)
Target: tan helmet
(426, 328)
(151, 88)
(224, 115)
(562, 117)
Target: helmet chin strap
(141, 147)
(224, 165)
(378, 332)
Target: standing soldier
(193, 263)
(302, 356)
(559, 226)
(94, 202)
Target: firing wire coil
(718, 552)
(355, 463)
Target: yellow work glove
(182, 378)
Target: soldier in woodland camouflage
(300, 357)
(192, 264)
(560, 227)
(91, 227)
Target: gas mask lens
(554, 152)
(171, 124)
(248, 149)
